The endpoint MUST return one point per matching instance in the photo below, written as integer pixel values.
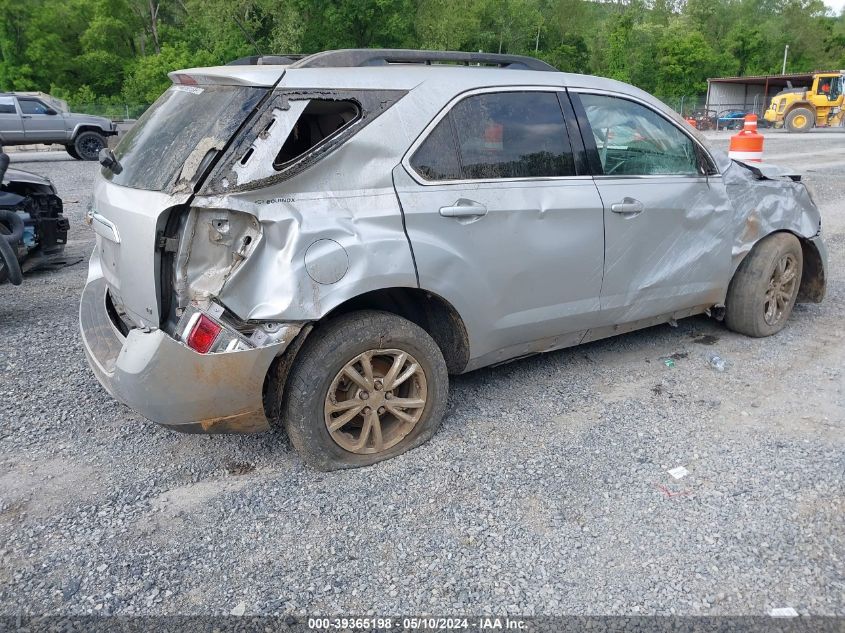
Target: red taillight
(203, 334)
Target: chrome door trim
(646, 177)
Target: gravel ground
(545, 492)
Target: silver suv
(320, 242)
(32, 119)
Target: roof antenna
(247, 34)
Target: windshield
(177, 131)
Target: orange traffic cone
(748, 144)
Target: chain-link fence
(113, 111)
(716, 116)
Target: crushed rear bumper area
(169, 383)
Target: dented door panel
(673, 254)
(529, 270)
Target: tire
(88, 145)
(317, 372)
(4, 271)
(800, 120)
(72, 151)
(748, 308)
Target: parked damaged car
(33, 230)
(320, 242)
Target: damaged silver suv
(319, 242)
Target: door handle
(26, 116)
(628, 206)
(464, 208)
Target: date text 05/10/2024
(420, 623)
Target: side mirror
(50, 111)
(107, 159)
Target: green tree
(148, 78)
(113, 50)
(684, 61)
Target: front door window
(633, 140)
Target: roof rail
(285, 59)
(353, 57)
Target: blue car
(733, 120)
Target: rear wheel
(88, 145)
(365, 387)
(800, 120)
(763, 290)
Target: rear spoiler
(237, 75)
(266, 60)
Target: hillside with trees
(119, 51)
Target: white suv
(320, 242)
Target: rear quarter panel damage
(348, 198)
(273, 283)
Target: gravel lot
(545, 492)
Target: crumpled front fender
(765, 200)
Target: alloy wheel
(90, 147)
(780, 290)
(375, 401)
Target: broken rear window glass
(177, 131)
(319, 120)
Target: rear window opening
(320, 120)
(296, 130)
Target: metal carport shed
(751, 94)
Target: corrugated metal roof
(787, 76)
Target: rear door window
(7, 105)
(498, 136)
(437, 158)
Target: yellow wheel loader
(799, 109)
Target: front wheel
(365, 387)
(88, 145)
(800, 120)
(763, 290)
(70, 149)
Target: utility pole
(537, 41)
(785, 52)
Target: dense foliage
(119, 51)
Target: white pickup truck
(30, 120)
